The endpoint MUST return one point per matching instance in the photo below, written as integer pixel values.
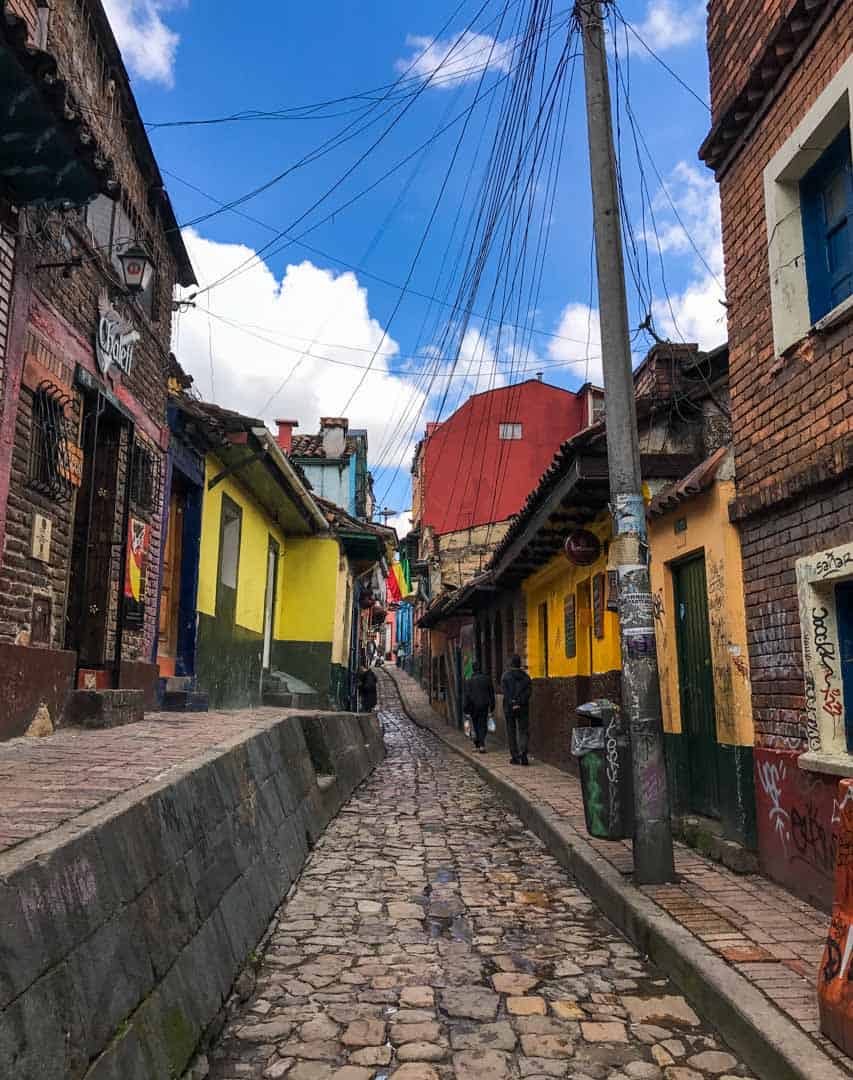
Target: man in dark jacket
(516, 687)
(367, 689)
(479, 700)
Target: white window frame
(817, 576)
(510, 431)
(789, 292)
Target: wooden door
(170, 596)
(696, 685)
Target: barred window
(50, 466)
(144, 477)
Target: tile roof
(311, 446)
(700, 479)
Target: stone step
(104, 708)
(173, 684)
(278, 698)
(306, 701)
(186, 701)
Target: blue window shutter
(828, 241)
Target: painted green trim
(339, 692)
(309, 661)
(737, 794)
(229, 663)
(737, 787)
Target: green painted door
(696, 685)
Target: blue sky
(293, 331)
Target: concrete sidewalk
(47, 782)
(744, 950)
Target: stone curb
(770, 1043)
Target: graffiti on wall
(836, 970)
(828, 690)
(798, 816)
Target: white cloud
(402, 523)
(578, 324)
(284, 325)
(454, 60)
(147, 44)
(696, 313)
(669, 24)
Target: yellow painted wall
(309, 574)
(255, 531)
(550, 586)
(342, 610)
(710, 532)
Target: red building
(480, 464)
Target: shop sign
(115, 338)
(582, 547)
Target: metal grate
(144, 477)
(50, 464)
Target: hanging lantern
(137, 266)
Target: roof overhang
(272, 482)
(48, 155)
(581, 493)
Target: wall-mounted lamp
(137, 266)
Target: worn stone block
(104, 708)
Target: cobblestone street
(431, 936)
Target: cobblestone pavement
(431, 937)
(766, 934)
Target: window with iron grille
(49, 466)
(144, 476)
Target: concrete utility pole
(653, 860)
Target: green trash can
(603, 750)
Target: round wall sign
(582, 547)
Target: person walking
(516, 686)
(367, 689)
(479, 701)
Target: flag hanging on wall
(138, 539)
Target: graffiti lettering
(810, 838)
(830, 563)
(825, 648)
(812, 728)
(772, 776)
(832, 701)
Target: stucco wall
(707, 532)
(552, 584)
(255, 532)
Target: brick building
(782, 99)
(83, 431)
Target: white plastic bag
(466, 727)
(491, 725)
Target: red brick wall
(771, 543)
(737, 34)
(62, 319)
(781, 413)
(792, 417)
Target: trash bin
(603, 750)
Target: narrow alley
(431, 936)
